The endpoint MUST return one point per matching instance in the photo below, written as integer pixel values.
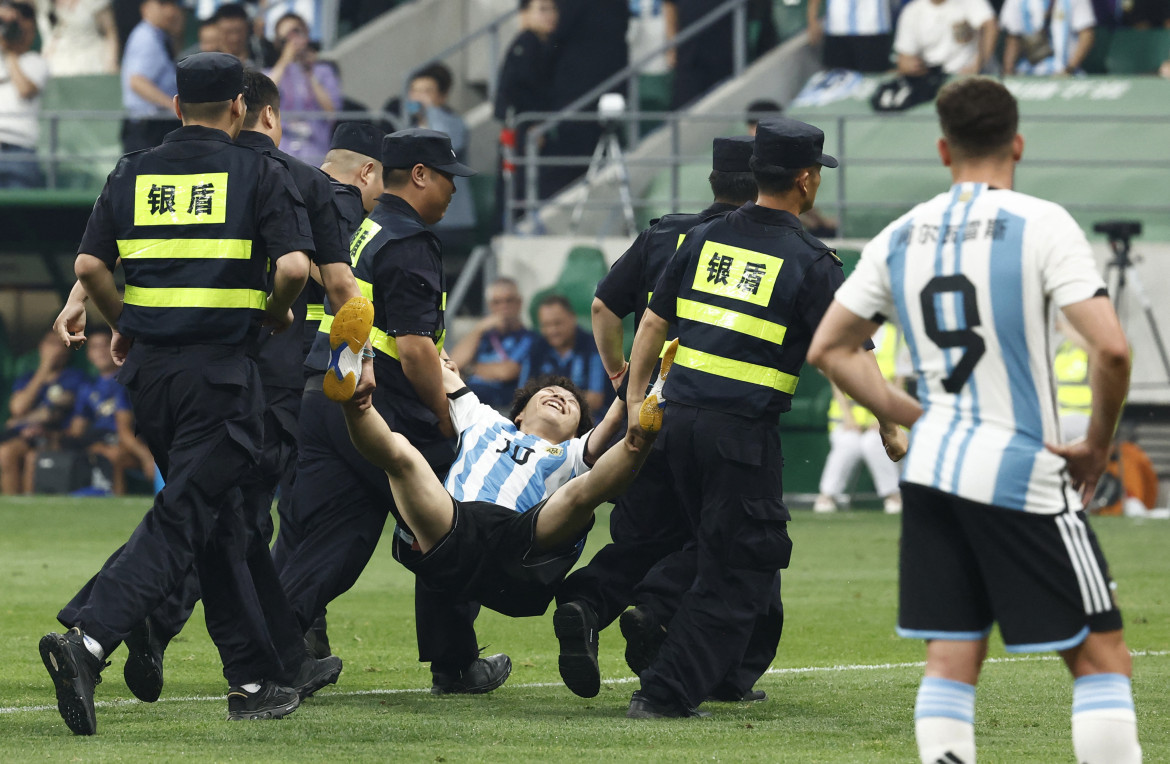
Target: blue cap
(789, 143)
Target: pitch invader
(993, 530)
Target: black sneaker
(575, 625)
(483, 675)
(643, 638)
(271, 701)
(317, 640)
(315, 674)
(75, 672)
(724, 694)
(144, 663)
(642, 707)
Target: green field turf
(841, 689)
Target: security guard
(195, 222)
(280, 359)
(745, 292)
(1074, 398)
(645, 524)
(340, 500)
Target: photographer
(306, 84)
(23, 74)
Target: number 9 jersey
(972, 278)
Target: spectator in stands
(525, 84)
(761, 108)
(1046, 37)
(78, 37)
(567, 350)
(491, 357)
(703, 60)
(23, 74)
(40, 404)
(957, 35)
(306, 84)
(426, 107)
(589, 46)
(236, 38)
(148, 75)
(207, 40)
(103, 422)
(1145, 14)
(858, 34)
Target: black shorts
(965, 565)
(487, 557)
(861, 53)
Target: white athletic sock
(93, 646)
(1104, 727)
(944, 721)
(250, 687)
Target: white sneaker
(347, 336)
(824, 504)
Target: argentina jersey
(972, 277)
(850, 18)
(500, 464)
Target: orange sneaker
(650, 415)
(347, 336)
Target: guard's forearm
(96, 280)
(339, 283)
(423, 369)
(609, 336)
(647, 346)
(292, 271)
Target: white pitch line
(619, 680)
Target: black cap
(209, 77)
(360, 138)
(406, 148)
(732, 154)
(791, 144)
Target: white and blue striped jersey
(500, 464)
(853, 18)
(973, 277)
(1069, 19)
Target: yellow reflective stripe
(379, 340)
(741, 371)
(366, 288)
(730, 319)
(194, 298)
(185, 249)
(361, 237)
(326, 323)
(315, 312)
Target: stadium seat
(1137, 51)
(1095, 62)
(583, 268)
(86, 148)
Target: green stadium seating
(1094, 63)
(1137, 51)
(86, 148)
(583, 268)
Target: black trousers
(727, 470)
(647, 524)
(662, 590)
(340, 503)
(199, 411)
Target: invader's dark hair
(522, 396)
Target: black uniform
(280, 360)
(646, 523)
(525, 85)
(341, 501)
(195, 269)
(746, 292)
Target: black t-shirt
(525, 82)
(589, 45)
(281, 357)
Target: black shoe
(575, 625)
(271, 701)
(727, 695)
(642, 707)
(315, 674)
(317, 640)
(483, 675)
(75, 672)
(144, 663)
(643, 638)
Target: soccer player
(993, 529)
(519, 499)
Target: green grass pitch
(840, 690)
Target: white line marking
(620, 680)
